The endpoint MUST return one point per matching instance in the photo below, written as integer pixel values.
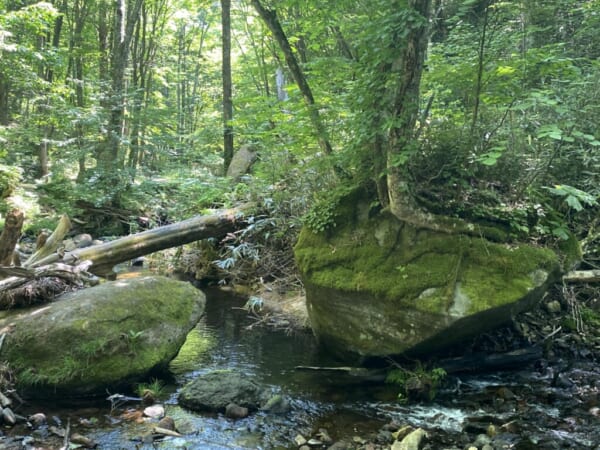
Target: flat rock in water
(215, 390)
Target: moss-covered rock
(376, 286)
(100, 338)
(213, 391)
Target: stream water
(547, 406)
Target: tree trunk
(126, 17)
(227, 85)
(272, 22)
(407, 70)
(10, 236)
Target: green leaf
(574, 203)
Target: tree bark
(227, 85)
(10, 236)
(404, 112)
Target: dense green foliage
(506, 129)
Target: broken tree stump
(10, 236)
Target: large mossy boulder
(101, 338)
(376, 286)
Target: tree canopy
(480, 109)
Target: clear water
(343, 405)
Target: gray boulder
(100, 338)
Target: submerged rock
(376, 286)
(100, 338)
(215, 390)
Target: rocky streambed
(552, 403)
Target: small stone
(487, 447)
(155, 411)
(8, 416)
(300, 440)
(491, 430)
(277, 404)
(314, 442)
(341, 445)
(83, 240)
(323, 436)
(4, 400)
(167, 423)
(482, 439)
(358, 440)
(147, 439)
(402, 432)
(505, 393)
(234, 411)
(148, 397)
(40, 433)
(37, 420)
(411, 442)
(82, 440)
(553, 307)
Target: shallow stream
(546, 406)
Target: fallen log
(582, 276)
(484, 362)
(104, 257)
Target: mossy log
(105, 256)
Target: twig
(67, 432)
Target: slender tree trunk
(126, 17)
(80, 14)
(407, 70)
(272, 22)
(479, 82)
(48, 75)
(4, 89)
(227, 85)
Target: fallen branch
(582, 276)
(52, 243)
(28, 286)
(497, 361)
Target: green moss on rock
(101, 337)
(377, 286)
